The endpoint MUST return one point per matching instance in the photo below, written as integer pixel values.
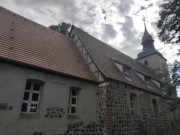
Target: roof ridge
(118, 51)
(122, 54)
(105, 43)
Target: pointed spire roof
(146, 35)
(148, 45)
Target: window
(174, 115)
(126, 72)
(134, 106)
(73, 96)
(147, 81)
(155, 107)
(146, 62)
(162, 85)
(31, 96)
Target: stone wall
(114, 116)
(102, 110)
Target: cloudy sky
(118, 23)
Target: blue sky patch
(103, 11)
(53, 14)
(150, 5)
(142, 8)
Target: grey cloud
(109, 32)
(130, 44)
(90, 13)
(66, 5)
(66, 10)
(49, 12)
(125, 6)
(154, 25)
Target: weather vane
(144, 19)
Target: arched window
(155, 107)
(174, 115)
(134, 104)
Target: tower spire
(144, 19)
(147, 43)
(146, 35)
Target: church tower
(150, 56)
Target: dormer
(124, 69)
(147, 80)
(126, 72)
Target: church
(51, 84)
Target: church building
(51, 84)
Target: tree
(62, 28)
(169, 23)
(175, 74)
(172, 84)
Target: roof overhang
(45, 70)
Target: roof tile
(26, 41)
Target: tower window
(146, 62)
(162, 85)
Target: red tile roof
(26, 41)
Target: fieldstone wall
(113, 110)
(114, 116)
(176, 128)
(155, 125)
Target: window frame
(162, 85)
(131, 104)
(134, 104)
(32, 91)
(147, 81)
(126, 72)
(70, 103)
(155, 105)
(146, 63)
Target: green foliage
(172, 84)
(173, 104)
(62, 28)
(175, 74)
(169, 23)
